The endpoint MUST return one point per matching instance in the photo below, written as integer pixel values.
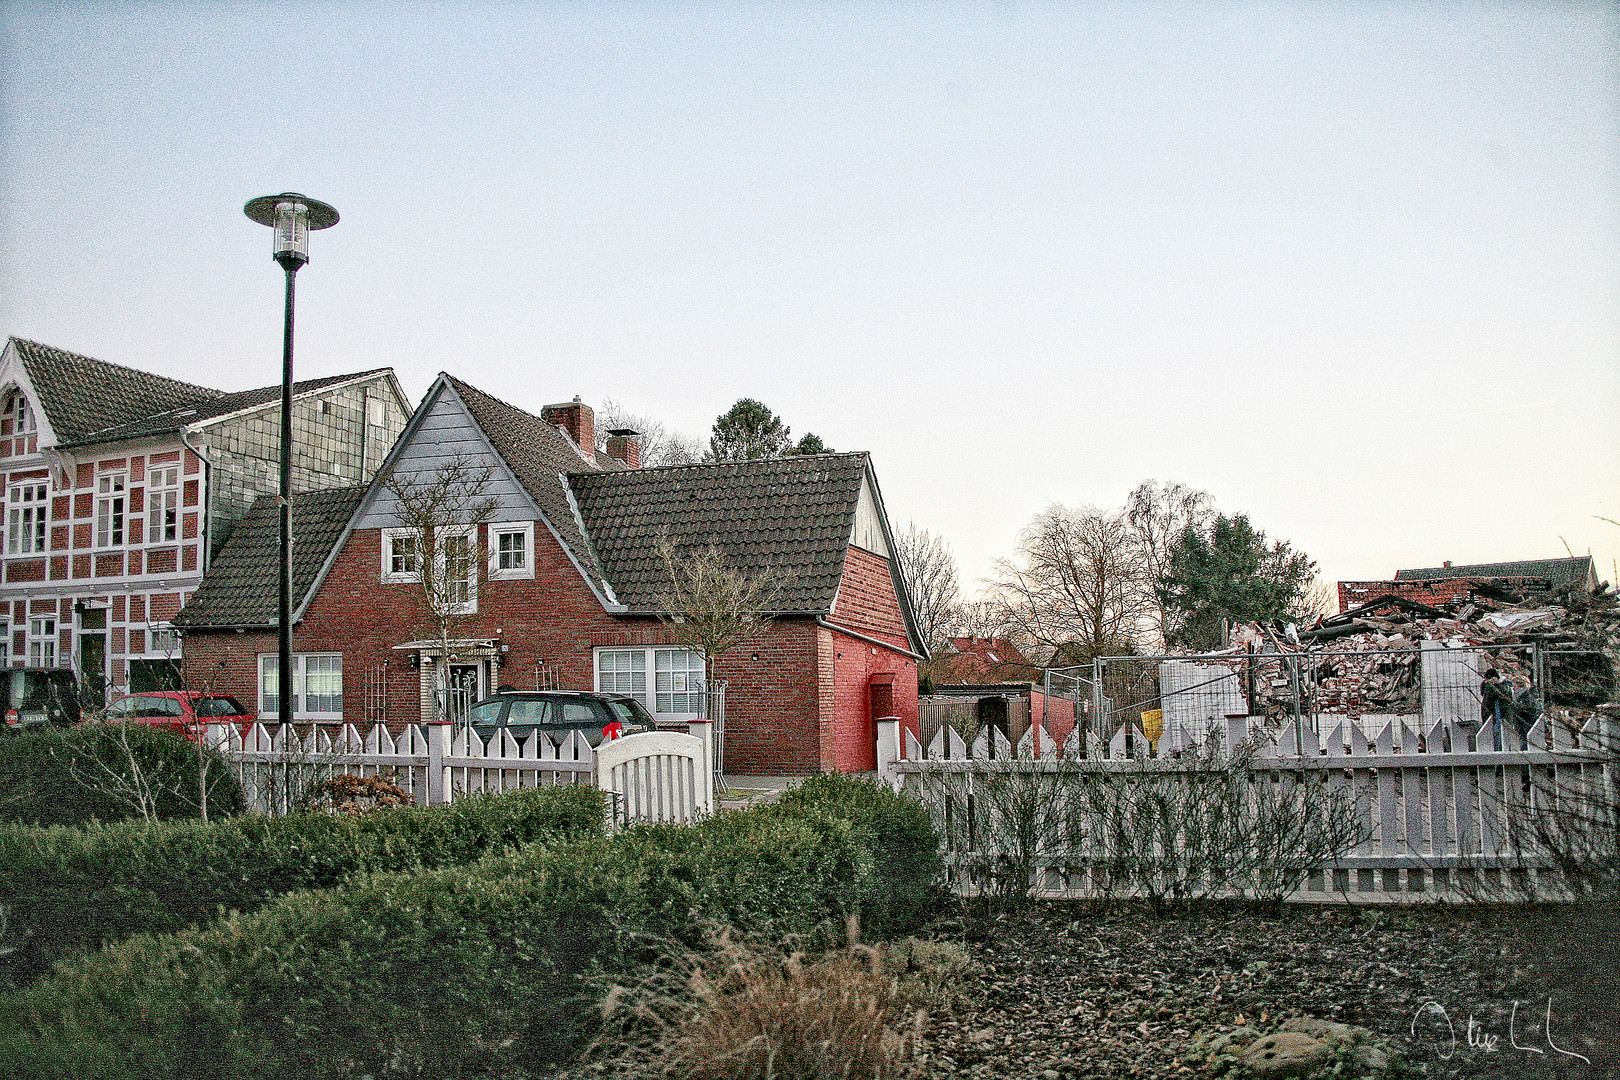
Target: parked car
(558, 712)
(181, 711)
(33, 698)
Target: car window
(123, 707)
(486, 712)
(528, 711)
(218, 706)
(579, 714)
(629, 712)
(163, 706)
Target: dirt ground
(1070, 990)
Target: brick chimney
(578, 420)
(624, 445)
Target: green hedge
(68, 891)
(479, 970)
(71, 776)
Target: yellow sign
(1153, 724)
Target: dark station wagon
(557, 713)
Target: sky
(1352, 268)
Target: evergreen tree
(1227, 570)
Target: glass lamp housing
(292, 217)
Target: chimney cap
(623, 432)
(1446, 564)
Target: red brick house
(566, 596)
(1439, 585)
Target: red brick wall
(794, 704)
(1433, 593)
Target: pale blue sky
(1352, 268)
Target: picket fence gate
(649, 776)
(1443, 810)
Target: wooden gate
(656, 776)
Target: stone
(1286, 1053)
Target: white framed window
(458, 571)
(163, 504)
(162, 640)
(375, 414)
(42, 641)
(110, 510)
(511, 551)
(317, 686)
(27, 511)
(22, 416)
(675, 691)
(5, 643)
(399, 555)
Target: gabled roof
(792, 516)
(984, 660)
(240, 588)
(1560, 572)
(87, 401)
(80, 396)
(538, 455)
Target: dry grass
(743, 1011)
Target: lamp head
(292, 216)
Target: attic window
(22, 417)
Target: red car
(180, 711)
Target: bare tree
(1079, 587)
(440, 515)
(710, 605)
(1156, 514)
(659, 445)
(929, 570)
(982, 618)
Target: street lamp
(292, 217)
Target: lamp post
(292, 216)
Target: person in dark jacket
(1495, 703)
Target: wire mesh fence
(1174, 701)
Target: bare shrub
(747, 1011)
(1169, 833)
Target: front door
(464, 689)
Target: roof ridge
(642, 470)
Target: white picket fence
(1441, 807)
(651, 776)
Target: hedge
(68, 776)
(479, 970)
(68, 891)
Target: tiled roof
(1558, 571)
(240, 588)
(538, 455)
(792, 516)
(91, 401)
(223, 405)
(80, 396)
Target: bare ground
(1072, 990)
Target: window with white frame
(163, 504)
(42, 641)
(458, 572)
(27, 511)
(5, 643)
(675, 691)
(399, 555)
(22, 416)
(162, 640)
(110, 510)
(511, 550)
(317, 680)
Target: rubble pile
(1368, 659)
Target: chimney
(578, 420)
(624, 445)
(1446, 564)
